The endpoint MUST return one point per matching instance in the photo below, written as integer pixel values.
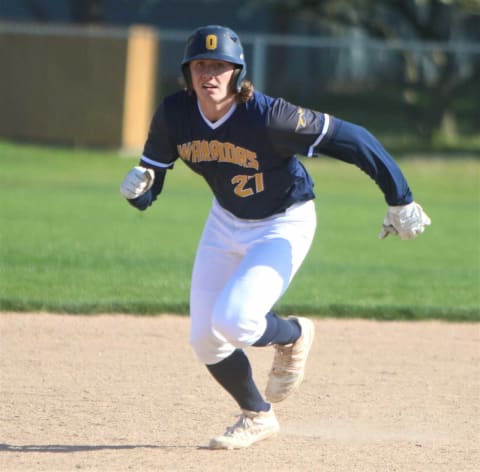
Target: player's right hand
(137, 182)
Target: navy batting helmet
(215, 42)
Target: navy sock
(234, 374)
(279, 331)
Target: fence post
(140, 77)
(259, 63)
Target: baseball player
(262, 221)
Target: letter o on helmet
(215, 42)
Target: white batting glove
(137, 182)
(408, 221)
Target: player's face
(211, 79)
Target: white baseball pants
(241, 269)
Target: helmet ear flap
(235, 83)
(187, 76)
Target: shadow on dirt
(67, 448)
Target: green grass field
(70, 243)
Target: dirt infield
(121, 393)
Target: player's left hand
(408, 221)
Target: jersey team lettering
(207, 151)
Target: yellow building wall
(82, 90)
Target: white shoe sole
(224, 442)
(251, 427)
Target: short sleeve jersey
(248, 157)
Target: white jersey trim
(219, 122)
(326, 125)
(147, 160)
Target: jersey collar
(219, 122)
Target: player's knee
(210, 349)
(202, 349)
(237, 327)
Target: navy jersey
(249, 156)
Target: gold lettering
(185, 151)
(196, 151)
(252, 162)
(240, 184)
(241, 156)
(216, 149)
(259, 187)
(204, 151)
(207, 151)
(229, 152)
(240, 181)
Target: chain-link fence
(397, 88)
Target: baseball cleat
(250, 428)
(288, 367)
